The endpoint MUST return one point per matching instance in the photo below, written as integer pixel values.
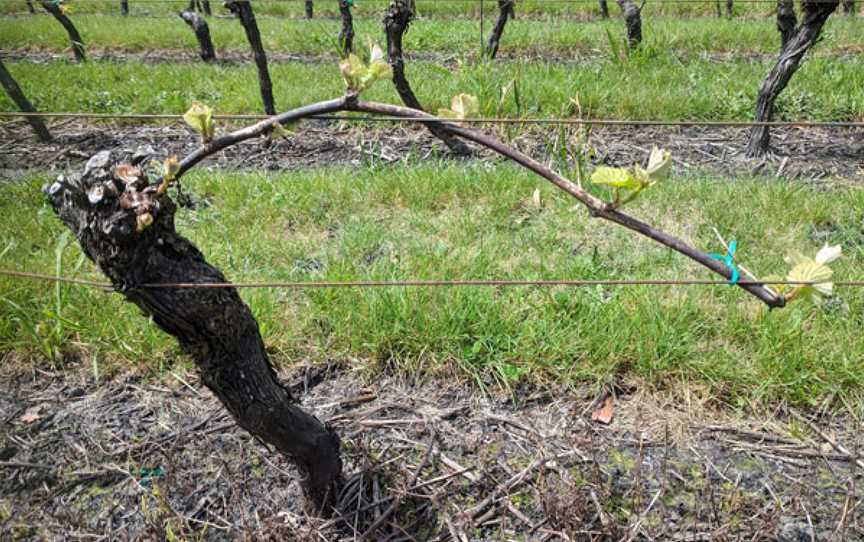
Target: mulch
(138, 457)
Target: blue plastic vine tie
(729, 260)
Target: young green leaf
(200, 118)
(169, 171)
(359, 76)
(615, 177)
(813, 270)
(462, 106)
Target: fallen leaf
(32, 414)
(605, 413)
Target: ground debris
(135, 458)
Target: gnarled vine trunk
(849, 7)
(202, 34)
(604, 9)
(243, 10)
(30, 7)
(310, 9)
(346, 34)
(506, 11)
(102, 207)
(633, 20)
(124, 7)
(786, 21)
(14, 92)
(74, 36)
(816, 13)
(730, 8)
(396, 21)
(200, 5)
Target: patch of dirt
(137, 458)
(811, 155)
(570, 57)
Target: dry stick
(202, 34)
(833, 443)
(346, 34)
(74, 36)
(310, 9)
(14, 92)
(506, 10)
(786, 21)
(633, 20)
(596, 207)
(604, 9)
(243, 9)
(816, 13)
(396, 21)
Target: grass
(448, 8)
(563, 37)
(448, 221)
(647, 87)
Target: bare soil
(138, 457)
(809, 155)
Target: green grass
(451, 8)
(563, 37)
(651, 87)
(471, 221)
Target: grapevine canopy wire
(470, 120)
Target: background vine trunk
(506, 10)
(816, 13)
(399, 16)
(633, 20)
(74, 36)
(17, 96)
(202, 34)
(346, 34)
(243, 9)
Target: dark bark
(786, 21)
(310, 9)
(816, 13)
(213, 326)
(346, 34)
(730, 8)
(243, 9)
(202, 34)
(30, 6)
(718, 9)
(506, 10)
(124, 7)
(74, 36)
(200, 5)
(604, 9)
(396, 21)
(17, 96)
(633, 19)
(849, 7)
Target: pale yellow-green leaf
(659, 164)
(200, 118)
(809, 270)
(772, 281)
(465, 106)
(615, 177)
